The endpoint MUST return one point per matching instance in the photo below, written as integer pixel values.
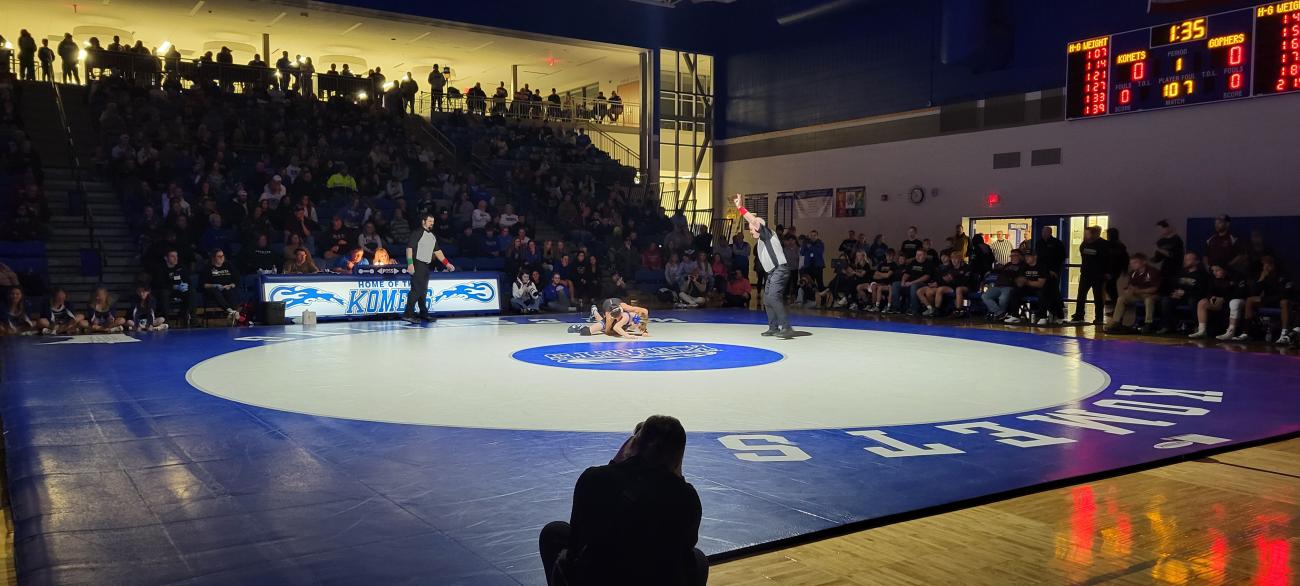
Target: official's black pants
(419, 291)
(774, 298)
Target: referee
(420, 251)
(772, 257)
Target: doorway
(1017, 229)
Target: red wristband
(742, 211)
(445, 262)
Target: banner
(336, 296)
(814, 203)
(850, 202)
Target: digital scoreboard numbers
(1277, 48)
(1238, 54)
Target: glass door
(1076, 225)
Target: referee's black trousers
(419, 290)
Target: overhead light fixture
(361, 95)
(9, 45)
(351, 28)
(277, 19)
(406, 77)
(162, 49)
(81, 55)
(388, 85)
(197, 6)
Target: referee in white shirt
(420, 251)
(774, 262)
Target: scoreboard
(1238, 54)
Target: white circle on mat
(464, 376)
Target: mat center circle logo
(647, 356)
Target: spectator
(1000, 297)
(1222, 248)
(1143, 285)
(616, 287)
(635, 521)
(338, 238)
(692, 290)
(215, 236)
(1001, 249)
(101, 318)
(916, 273)
(68, 51)
(274, 192)
(556, 295)
(26, 56)
(345, 265)
(410, 88)
(219, 285)
(302, 264)
(959, 243)
(143, 315)
(1168, 255)
(356, 213)
(259, 259)
(911, 244)
(1036, 281)
(1052, 256)
(884, 276)
(1094, 258)
(813, 253)
(171, 284)
(46, 56)
(341, 181)
(480, 217)
(17, 320)
(738, 290)
(1187, 288)
(1118, 263)
(437, 81)
(1224, 292)
(58, 318)
(525, 297)
(1264, 289)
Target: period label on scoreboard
(1226, 56)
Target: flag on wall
(814, 203)
(850, 202)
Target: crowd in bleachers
(274, 180)
(1227, 287)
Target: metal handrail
(606, 142)
(74, 163)
(590, 111)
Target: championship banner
(814, 203)
(338, 296)
(850, 202)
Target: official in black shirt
(260, 258)
(1186, 289)
(1051, 256)
(635, 521)
(1095, 260)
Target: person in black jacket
(26, 56)
(1094, 273)
(1169, 253)
(171, 284)
(635, 521)
(1187, 288)
(1051, 256)
(1118, 263)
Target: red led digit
(1234, 81)
(1139, 71)
(1125, 95)
(1235, 55)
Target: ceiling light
(81, 55)
(197, 6)
(361, 95)
(277, 19)
(9, 45)
(351, 28)
(388, 85)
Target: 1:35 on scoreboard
(1237, 54)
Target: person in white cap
(273, 192)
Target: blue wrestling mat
(386, 453)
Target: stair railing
(74, 163)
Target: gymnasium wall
(884, 56)
(1237, 157)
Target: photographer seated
(634, 522)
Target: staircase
(70, 236)
(117, 264)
